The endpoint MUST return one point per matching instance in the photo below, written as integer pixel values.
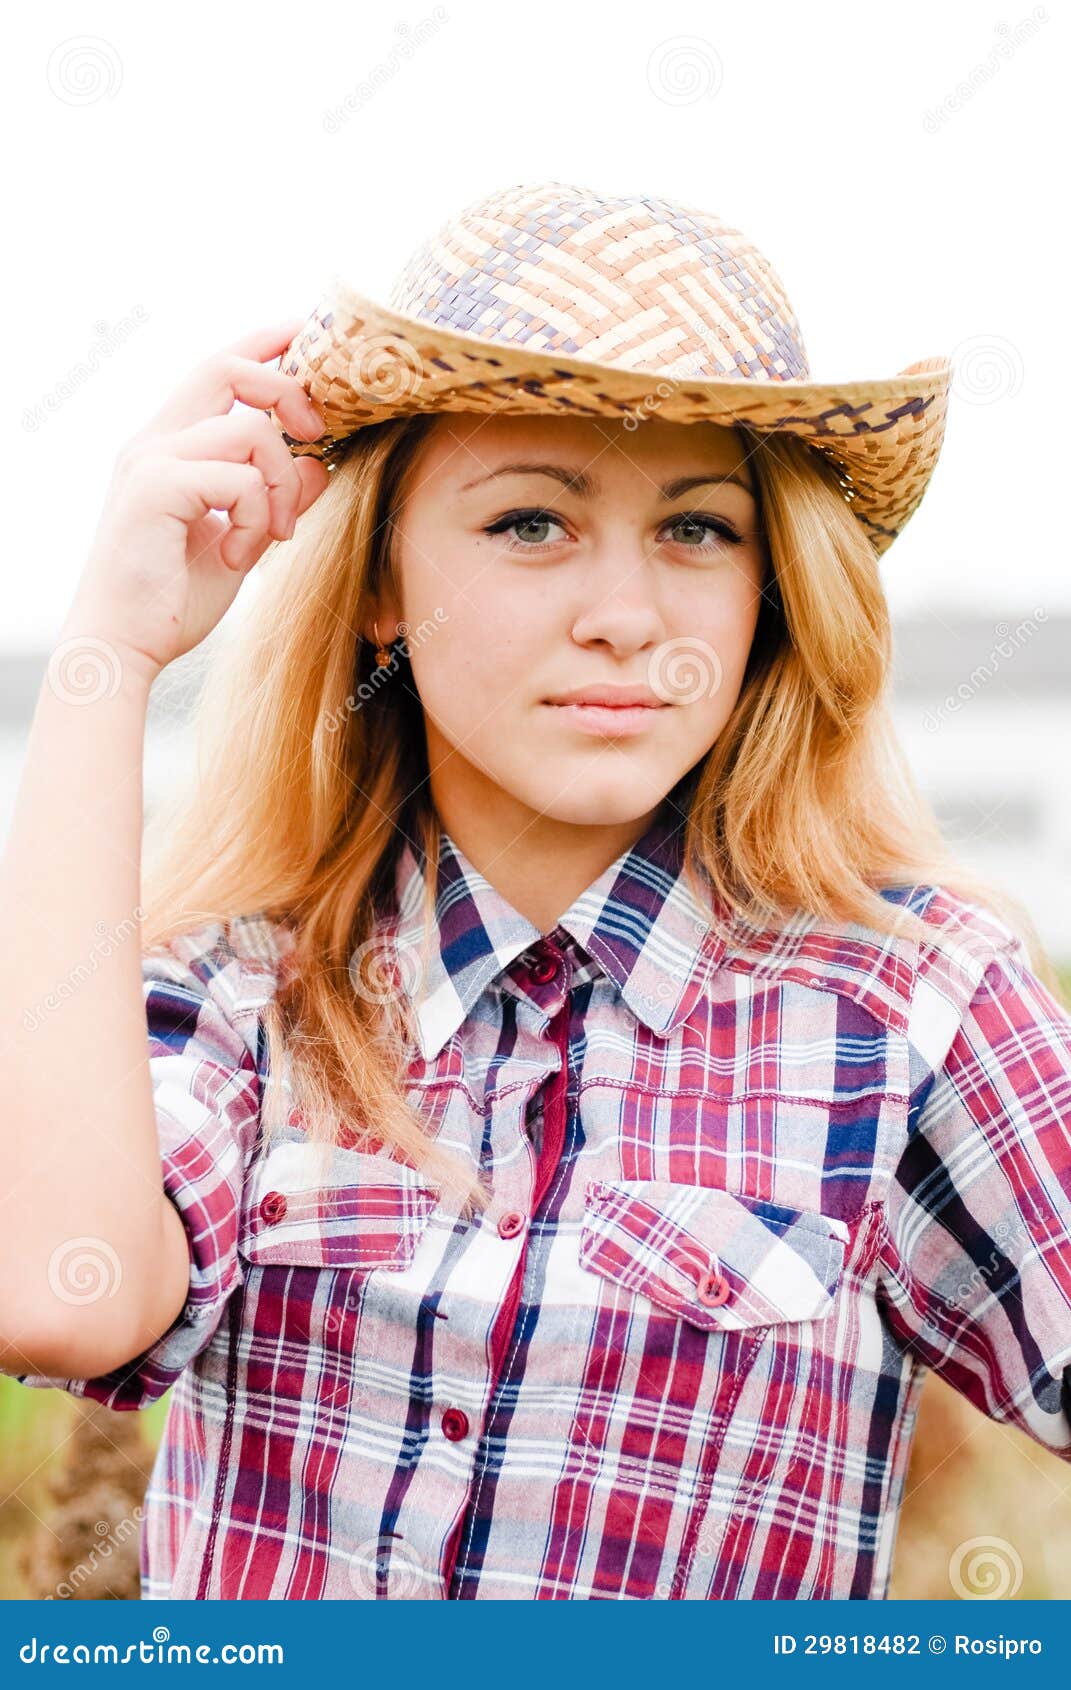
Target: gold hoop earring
(382, 653)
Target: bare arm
(81, 1160)
(94, 1261)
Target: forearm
(82, 1196)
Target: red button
(273, 1206)
(712, 1289)
(510, 1224)
(543, 969)
(455, 1424)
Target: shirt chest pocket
(717, 1259)
(350, 1210)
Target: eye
(701, 525)
(525, 519)
(702, 530)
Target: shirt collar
(640, 920)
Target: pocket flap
(359, 1210)
(715, 1258)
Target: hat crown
(640, 282)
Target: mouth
(608, 719)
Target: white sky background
(185, 181)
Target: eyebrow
(584, 485)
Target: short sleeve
(975, 1263)
(203, 1063)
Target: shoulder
(954, 918)
(933, 967)
(229, 968)
(973, 982)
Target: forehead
(460, 445)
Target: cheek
(706, 663)
(453, 631)
(476, 663)
(734, 632)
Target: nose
(620, 607)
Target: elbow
(74, 1347)
(33, 1350)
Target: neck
(539, 865)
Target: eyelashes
(535, 516)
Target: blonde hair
(312, 769)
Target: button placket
(546, 1163)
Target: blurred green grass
(36, 1431)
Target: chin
(595, 802)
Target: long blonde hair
(311, 770)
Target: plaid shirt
(745, 1190)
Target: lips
(614, 698)
(608, 719)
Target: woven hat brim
(363, 363)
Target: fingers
(269, 341)
(248, 437)
(314, 478)
(157, 483)
(237, 372)
(248, 539)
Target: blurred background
(177, 188)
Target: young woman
(588, 1094)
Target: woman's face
(542, 557)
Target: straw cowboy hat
(552, 298)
